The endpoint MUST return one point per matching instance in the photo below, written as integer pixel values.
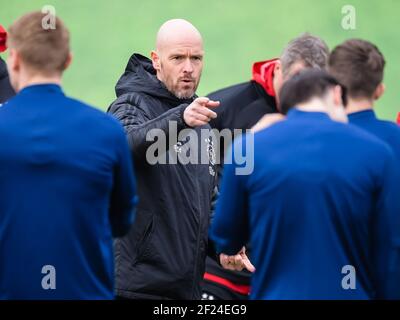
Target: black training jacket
(163, 255)
(6, 91)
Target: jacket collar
(42, 88)
(298, 114)
(365, 114)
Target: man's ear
(68, 61)
(155, 58)
(277, 80)
(379, 91)
(14, 60)
(278, 67)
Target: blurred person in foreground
(321, 209)
(66, 179)
(253, 105)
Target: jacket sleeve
(138, 125)
(123, 197)
(386, 234)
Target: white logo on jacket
(171, 147)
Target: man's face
(179, 67)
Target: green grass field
(236, 33)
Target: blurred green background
(236, 33)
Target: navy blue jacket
(323, 198)
(66, 187)
(387, 131)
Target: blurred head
(35, 51)
(314, 90)
(358, 65)
(305, 51)
(178, 58)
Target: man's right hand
(198, 113)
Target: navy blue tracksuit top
(66, 187)
(321, 210)
(387, 131)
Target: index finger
(202, 100)
(249, 266)
(212, 104)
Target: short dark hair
(306, 85)
(357, 64)
(312, 51)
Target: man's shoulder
(100, 120)
(9, 109)
(359, 137)
(347, 132)
(3, 106)
(129, 100)
(378, 126)
(390, 127)
(84, 108)
(387, 131)
(71, 114)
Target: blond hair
(42, 50)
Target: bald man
(163, 255)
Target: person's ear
(68, 61)
(13, 61)
(277, 80)
(379, 91)
(155, 58)
(278, 68)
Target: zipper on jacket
(196, 256)
(198, 240)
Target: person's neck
(315, 105)
(38, 79)
(357, 105)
